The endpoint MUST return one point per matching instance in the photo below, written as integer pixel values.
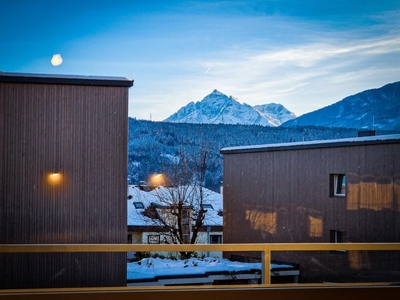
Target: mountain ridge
(372, 109)
(218, 108)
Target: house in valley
(152, 215)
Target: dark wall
(79, 132)
(284, 196)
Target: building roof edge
(65, 79)
(347, 142)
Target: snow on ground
(151, 267)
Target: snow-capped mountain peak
(216, 92)
(275, 113)
(218, 108)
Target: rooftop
(65, 79)
(140, 200)
(347, 142)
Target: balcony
(367, 290)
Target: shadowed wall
(63, 165)
(282, 194)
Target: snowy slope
(276, 114)
(217, 108)
(371, 109)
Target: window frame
(338, 185)
(215, 235)
(337, 237)
(138, 205)
(207, 206)
(153, 239)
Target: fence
(265, 249)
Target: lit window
(138, 205)
(338, 185)
(216, 239)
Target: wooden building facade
(63, 170)
(333, 191)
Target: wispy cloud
(302, 54)
(301, 77)
(282, 75)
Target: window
(337, 185)
(153, 239)
(138, 205)
(216, 239)
(207, 206)
(337, 236)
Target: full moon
(56, 60)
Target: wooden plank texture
(284, 197)
(80, 133)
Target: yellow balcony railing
(265, 249)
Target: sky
(303, 54)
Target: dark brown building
(63, 170)
(333, 191)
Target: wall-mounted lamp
(54, 178)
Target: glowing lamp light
(54, 178)
(157, 180)
(56, 60)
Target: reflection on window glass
(338, 185)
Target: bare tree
(180, 194)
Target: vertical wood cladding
(79, 132)
(283, 196)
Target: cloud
(302, 65)
(275, 75)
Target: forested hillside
(153, 146)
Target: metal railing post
(266, 266)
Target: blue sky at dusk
(302, 54)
